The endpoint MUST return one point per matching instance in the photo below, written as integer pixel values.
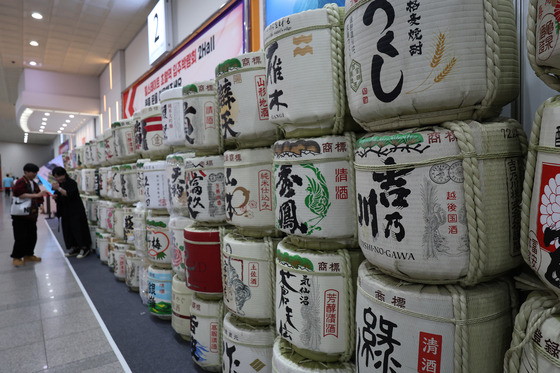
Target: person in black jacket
(72, 212)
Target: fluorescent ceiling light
(34, 43)
(71, 115)
(67, 120)
(33, 63)
(58, 131)
(47, 114)
(37, 15)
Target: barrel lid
(128, 167)
(180, 286)
(205, 307)
(248, 157)
(245, 61)
(255, 248)
(154, 166)
(180, 222)
(202, 234)
(323, 148)
(239, 331)
(161, 221)
(170, 94)
(107, 134)
(286, 360)
(179, 158)
(202, 87)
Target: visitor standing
(25, 226)
(7, 184)
(71, 210)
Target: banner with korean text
(195, 61)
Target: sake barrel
(123, 138)
(77, 176)
(177, 225)
(91, 209)
(202, 128)
(206, 190)
(103, 187)
(155, 186)
(441, 205)
(140, 179)
(115, 193)
(159, 292)
(409, 65)
(111, 253)
(540, 237)
(176, 179)
(206, 332)
(305, 72)
(139, 221)
(110, 217)
(103, 245)
(88, 180)
(132, 268)
(202, 260)
(95, 162)
(128, 224)
(88, 157)
(287, 360)
(314, 190)
(249, 192)
(109, 193)
(246, 347)
(447, 327)
(101, 155)
(173, 117)
(248, 272)
(102, 214)
(118, 220)
(181, 297)
(78, 157)
(120, 250)
(129, 184)
(152, 134)
(158, 239)
(535, 340)
(315, 297)
(109, 146)
(243, 102)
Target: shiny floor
(46, 321)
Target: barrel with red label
(202, 260)
(148, 134)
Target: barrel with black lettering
(413, 63)
(205, 189)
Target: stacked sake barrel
(313, 182)
(437, 182)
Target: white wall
(187, 16)
(111, 85)
(14, 156)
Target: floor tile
(102, 363)
(55, 327)
(20, 315)
(20, 335)
(62, 307)
(27, 358)
(75, 347)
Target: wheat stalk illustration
(440, 49)
(446, 70)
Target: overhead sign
(159, 30)
(194, 62)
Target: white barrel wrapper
(176, 179)
(315, 295)
(103, 245)
(155, 185)
(172, 117)
(248, 272)
(540, 235)
(140, 179)
(103, 187)
(420, 193)
(243, 102)
(152, 144)
(202, 128)
(129, 184)
(118, 221)
(249, 192)
(535, 341)
(88, 154)
(159, 292)
(88, 180)
(305, 73)
(287, 360)
(246, 347)
(424, 62)
(133, 264)
(206, 189)
(314, 187)
(181, 298)
(158, 239)
(206, 332)
(434, 327)
(120, 250)
(123, 138)
(177, 225)
(115, 192)
(109, 146)
(101, 155)
(91, 208)
(139, 232)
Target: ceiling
(74, 37)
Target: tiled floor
(46, 322)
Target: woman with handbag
(27, 197)
(70, 208)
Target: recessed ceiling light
(33, 63)
(47, 114)
(71, 115)
(41, 130)
(58, 131)
(44, 123)
(34, 43)
(64, 125)
(45, 119)
(37, 15)
(61, 128)
(67, 120)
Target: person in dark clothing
(71, 210)
(25, 226)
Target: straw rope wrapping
(473, 202)
(351, 298)
(549, 75)
(351, 140)
(492, 58)
(336, 18)
(461, 341)
(272, 275)
(522, 336)
(529, 178)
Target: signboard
(276, 9)
(159, 30)
(195, 61)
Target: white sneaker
(83, 253)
